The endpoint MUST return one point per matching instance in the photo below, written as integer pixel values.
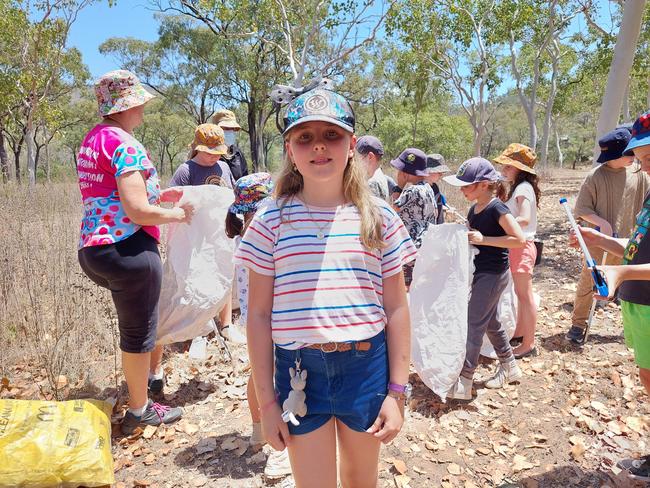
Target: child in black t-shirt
(493, 230)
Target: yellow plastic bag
(63, 444)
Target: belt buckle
(329, 347)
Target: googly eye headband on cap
(315, 102)
(322, 106)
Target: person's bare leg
(359, 457)
(644, 376)
(313, 457)
(526, 311)
(155, 363)
(136, 373)
(225, 315)
(253, 404)
(584, 292)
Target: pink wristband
(269, 404)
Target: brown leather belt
(341, 346)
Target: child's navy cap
(412, 161)
(472, 171)
(369, 144)
(613, 144)
(640, 134)
(319, 105)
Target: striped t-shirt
(328, 287)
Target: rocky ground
(575, 413)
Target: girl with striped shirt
(327, 298)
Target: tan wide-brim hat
(520, 156)
(226, 120)
(209, 138)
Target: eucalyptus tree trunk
(619, 71)
(554, 51)
(4, 160)
(558, 148)
(626, 103)
(31, 153)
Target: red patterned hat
(640, 134)
(250, 190)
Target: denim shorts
(350, 386)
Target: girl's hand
(389, 421)
(475, 237)
(592, 237)
(172, 194)
(274, 428)
(188, 210)
(613, 277)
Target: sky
(132, 18)
(99, 22)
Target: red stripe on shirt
(265, 237)
(305, 290)
(256, 264)
(400, 264)
(328, 326)
(328, 252)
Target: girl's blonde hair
(355, 190)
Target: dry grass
(52, 318)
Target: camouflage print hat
(520, 156)
(118, 91)
(208, 138)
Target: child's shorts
(522, 260)
(636, 324)
(350, 386)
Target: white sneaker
(507, 373)
(288, 483)
(277, 464)
(462, 390)
(237, 334)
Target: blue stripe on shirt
(320, 270)
(338, 307)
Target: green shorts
(636, 324)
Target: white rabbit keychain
(295, 405)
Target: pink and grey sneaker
(637, 469)
(155, 414)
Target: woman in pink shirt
(118, 245)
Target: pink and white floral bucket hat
(119, 90)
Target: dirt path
(576, 412)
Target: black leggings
(132, 270)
